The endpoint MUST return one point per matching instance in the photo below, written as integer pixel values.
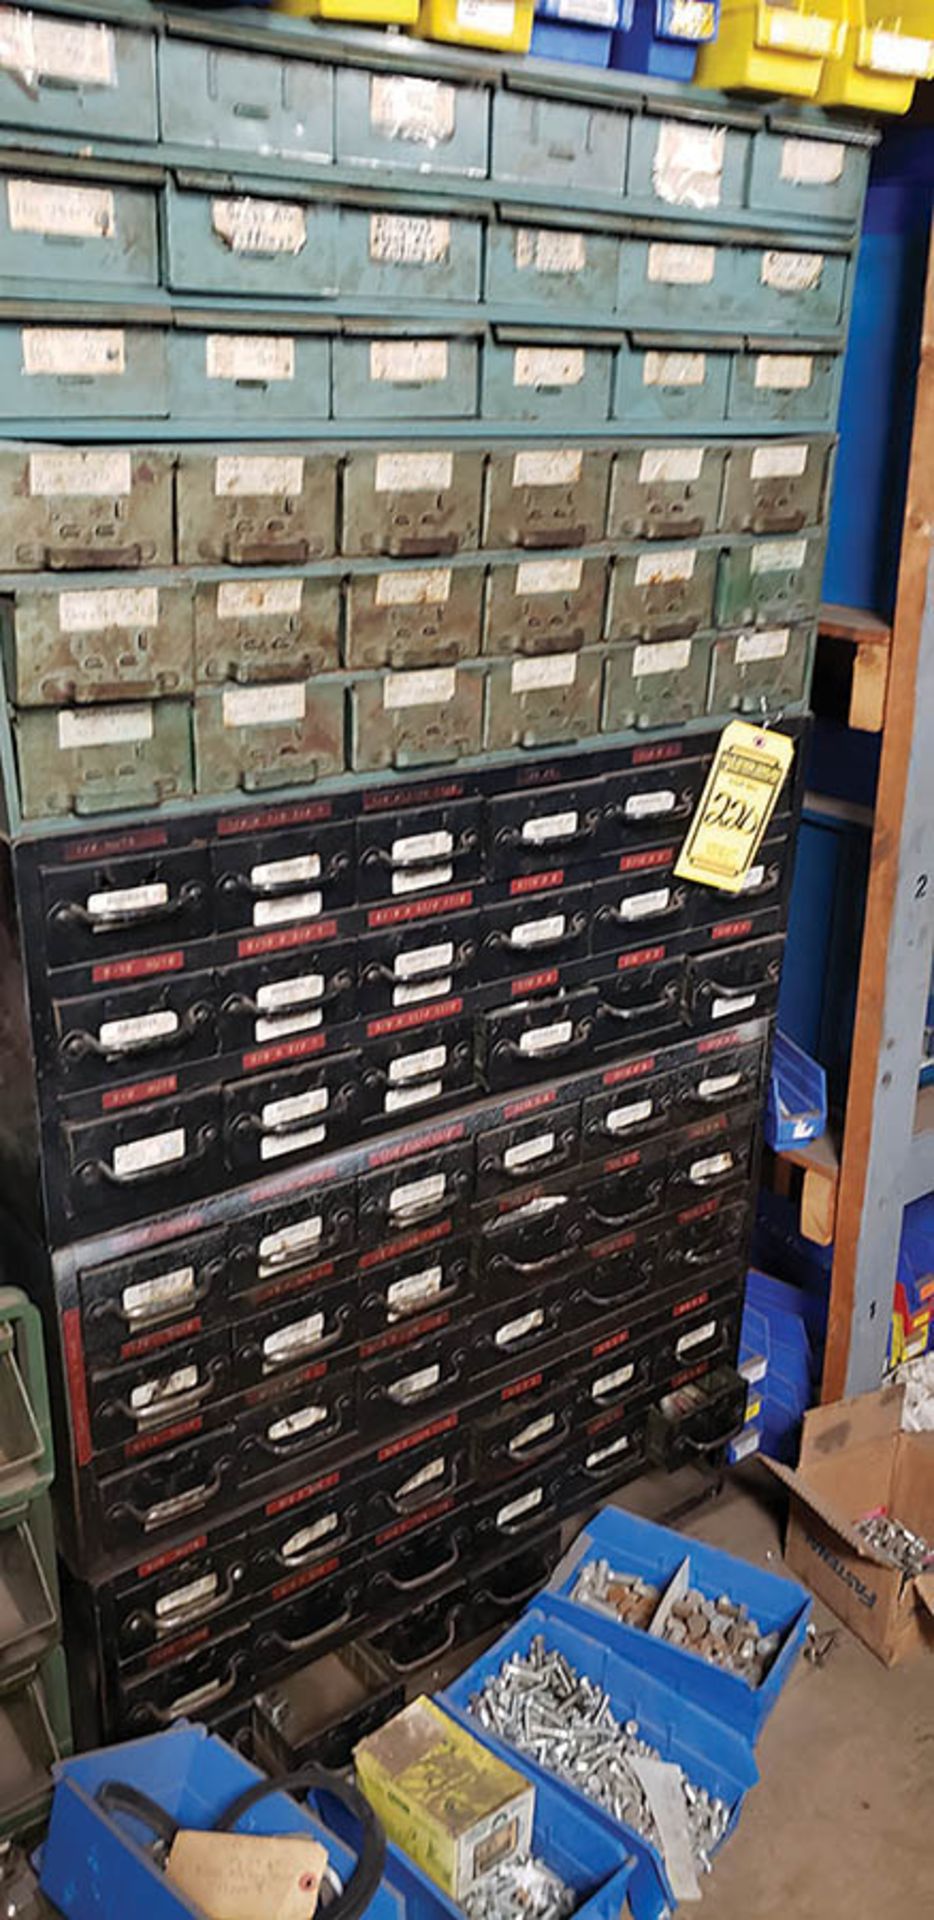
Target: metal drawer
(399, 1387)
(417, 962)
(738, 981)
(793, 292)
(200, 1579)
(266, 628)
(615, 1275)
(305, 1527)
(782, 386)
(651, 800)
(636, 1104)
(530, 1242)
(311, 1612)
(611, 1453)
(271, 1117)
(510, 1514)
(405, 1564)
(235, 380)
(399, 120)
(258, 738)
(99, 639)
(710, 1233)
(411, 502)
(530, 1148)
(141, 1403)
(761, 671)
(546, 497)
(417, 850)
(405, 379)
(408, 256)
(665, 493)
(671, 386)
(540, 702)
(770, 580)
(663, 282)
(641, 900)
(615, 1370)
(537, 1037)
(398, 1295)
(258, 103)
(73, 76)
(290, 1246)
(151, 1302)
(541, 930)
(426, 717)
(128, 902)
(795, 175)
(696, 1335)
(55, 230)
(267, 880)
(765, 885)
(290, 1337)
(544, 606)
(666, 593)
(262, 1001)
(688, 164)
(249, 245)
(776, 488)
(54, 373)
(718, 1081)
(644, 997)
(88, 760)
(710, 1154)
(629, 1187)
(141, 1158)
(163, 1023)
(404, 1073)
(554, 386)
(657, 683)
(428, 1188)
(555, 271)
(290, 1420)
(270, 506)
(85, 507)
(413, 616)
(556, 143)
(522, 1434)
(530, 833)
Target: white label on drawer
(150, 1396)
(536, 1430)
(779, 556)
(404, 108)
(812, 163)
(166, 1293)
(422, 878)
(784, 371)
(739, 1003)
(425, 1477)
(680, 264)
(298, 1422)
(398, 1097)
(414, 587)
(258, 599)
(278, 1025)
(538, 1209)
(423, 960)
(279, 1249)
(548, 366)
(263, 706)
(609, 1382)
(131, 900)
(514, 1329)
(408, 362)
(671, 463)
(408, 240)
(534, 933)
(155, 1150)
(415, 1288)
(57, 49)
(413, 1385)
(639, 806)
(674, 369)
(289, 993)
(771, 644)
(88, 352)
(494, 17)
(420, 846)
(548, 576)
(695, 1337)
(778, 463)
(791, 272)
(654, 569)
(901, 53)
(527, 1151)
(78, 212)
(104, 726)
(86, 611)
(414, 1066)
(660, 656)
(79, 475)
(560, 468)
(515, 1508)
(687, 170)
(753, 879)
(430, 687)
(299, 1543)
(273, 1146)
(241, 475)
(708, 1169)
(418, 1193)
(300, 906)
(717, 1084)
(434, 987)
(594, 13)
(549, 826)
(260, 226)
(414, 472)
(298, 1106)
(146, 1026)
(550, 250)
(300, 1335)
(609, 1452)
(184, 1599)
(620, 1118)
(249, 356)
(540, 1039)
(641, 906)
(275, 873)
(552, 670)
(745, 1443)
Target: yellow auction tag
(735, 807)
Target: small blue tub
(662, 37)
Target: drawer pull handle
(78, 1044)
(661, 1005)
(100, 1169)
(411, 1311)
(779, 522)
(684, 804)
(544, 1265)
(209, 1694)
(463, 956)
(425, 1579)
(239, 882)
(280, 1449)
(167, 1408)
(303, 1641)
(163, 1511)
(701, 1256)
(422, 1658)
(466, 842)
(559, 1432)
(654, 1193)
(325, 1546)
(713, 1179)
(719, 1440)
(195, 1610)
(676, 528)
(113, 1310)
(380, 1076)
(579, 1034)
(575, 927)
(533, 1169)
(423, 1394)
(655, 1122)
(513, 837)
(242, 1003)
(299, 1352)
(674, 905)
(67, 913)
(295, 1256)
(439, 1490)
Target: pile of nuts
(520, 1888)
(897, 1544)
(541, 1705)
(721, 1631)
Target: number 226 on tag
(736, 806)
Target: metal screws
(721, 1631)
(520, 1888)
(896, 1542)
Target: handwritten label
(89, 610)
(249, 356)
(258, 599)
(260, 226)
(242, 475)
(552, 670)
(662, 656)
(404, 108)
(687, 168)
(679, 264)
(682, 464)
(778, 463)
(414, 472)
(89, 352)
(791, 272)
(552, 469)
(408, 362)
(737, 803)
(408, 240)
(812, 163)
(784, 372)
(550, 250)
(674, 369)
(33, 206)
(433, 686)
(104, 726)
(414, 587)
(548, 366)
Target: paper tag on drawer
(641, 906)
(611, 1382)
(260, 226)
(404, 108)
(549, 826)
(425, 1477)
(696, 1337)
(494, 17)
(418, 1193)
(525, 1152)
(515, 1329)
(620, 1118)
(718, 1084)
(779, 556)
(301, 1334)
(406, 966)
(414, 472)
(430, 687)
(244, 475)
(420, 846)
(671, 463)
(691, 20)
(687, 169)
(548, 576)
(57, 49)
(771, 644)
(132, 900)
(414, 1385)
(277, 873)
(550, 250)
(711, 1167)
(258, 599)
(548, 366)
(681, 263)
(655, 569)
(249, 356)
(414, 587)
(87, 610)
(156, 1150)
(414, 1066)
(611, 1451)
(79, 475)
(414, 1289)
(660, 656)
(83, 352)
(778, 463)
(298, 1106)
(540, 1039)
(408, 362)
(736, 805)
(277, 1025)
(754, 879)
(553, 469)
(273, 1146)
(263, 706)
(301, 1421)
(641, 806)
(104, 726)
(534, 933)
(728, 1009)
(167, 1292)
(536, 1430)
(674, 369)
(396, 1098)
(150, 1395)
(73, 212)
(130, 1033)
(409, 240)
(277, 1249)
(514, 1509)
(812, 163)
(786, 372)
(551, 670)
(299, 906)
(298, 1544)
(791, 272)
(431, 987)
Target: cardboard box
(444, 1799)
(854, 1460)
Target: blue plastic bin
(712, 1754)
(796, 1099)
(97, 1865)
(662, 36)
(638, 1546)
(571, 40)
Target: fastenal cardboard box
(854, 1461)
(444, 1799)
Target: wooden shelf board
(856, 625)
(819, 1162)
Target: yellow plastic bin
(503, 24)
(762, 48)
(370, 13)
(883, 57)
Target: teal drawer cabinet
(545, 142)
(80, 231)
(792, 290)
(546, 497)
(97, 637)
(556, 272)
(411, 501)
(236, 380)
(665, 593)
(87, 760)
(776, 488)
(61, 75)
(544, 701)
(268, 627)
(671, 386)
(559, 386)
(678, 168)
(264, 506)
(53, 373)
(662, 683)
(411, 379)
(413, 616)
(259, 738)
(762, 672)
(74, 507)
(775, 385)
(795, 176)
(246, 101)
(666, 493)
(409, 256)
(545, 604)
(429, 716)
(765, 581)
(400, 120)
(250, 245)
(664, 283)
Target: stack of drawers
(380, 553)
